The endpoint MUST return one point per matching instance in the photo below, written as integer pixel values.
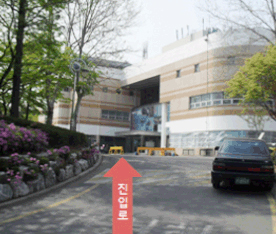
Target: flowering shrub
(44, 169)
(14, 176)
(30, 174)
(52, 154)
(64, 152)
(87, 154)
(18, 139)
(15, 160)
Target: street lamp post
(75, 67)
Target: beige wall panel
(204, 113)
(213, 87)
(94, 123)
(64, 112)
(179, 104)
(90, 112)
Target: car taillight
(218, 166)
(267, 169)
(254, 169)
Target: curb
(56, 186)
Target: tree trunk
(50, 114)
(18, 59)
(27, 111)
(76, 112)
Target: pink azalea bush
(63, 152)
(19, 139)
(89, 153)
(14, 177)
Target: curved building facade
(191, 74)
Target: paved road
(174, 196)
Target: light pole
(75, 67)
(207, 40)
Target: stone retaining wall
(14, 190)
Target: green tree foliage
(23, 18)
(255, 83)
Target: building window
(125, 116)
(115, 115)
(66, 89)
(197, 68)
(105, 114)
(209, 99)
(168, 111)
(112, 114)
(178, 73)
(119, 115)
(231, 60)
(105, 89)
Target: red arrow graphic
(122, 173)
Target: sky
(158, 22)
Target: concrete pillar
(142, 141)
(163, 125)
(98, 138)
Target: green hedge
(58, 137)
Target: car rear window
(244, 147)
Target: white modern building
(175, 99)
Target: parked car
(243, 161)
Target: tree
(24, 14)
(255, 83)
(86, 80)
(96, 29)
(254, 116)
(244, 14)
(45, 75)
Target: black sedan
(243, 161)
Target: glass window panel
(105, 114)
(203, 104)
(119, 115)
(193, 99)
(236, 101)
(168, 112)
(218, 95)
(209, 103)
(231, 60)
(197, 68)
(198, 98)
(217, 102)
(125, 116)
(205, 97)
(197, 104)
(226, 102)
(112, 114)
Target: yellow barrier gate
(115, 149)
(151, 149)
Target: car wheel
(216, 184)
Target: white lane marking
(151, 225)
(67, 223)
(83, 215)
(181, 226)
(207, 230)
(135, 160)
